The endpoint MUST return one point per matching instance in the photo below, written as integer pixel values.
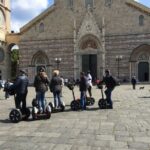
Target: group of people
(85, 84)
(42, 84)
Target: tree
(14, 62)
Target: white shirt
(89, 79)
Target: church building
(82, 35)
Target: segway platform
(36, 114)
(61, 108)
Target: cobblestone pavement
(126, 127)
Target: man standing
(110, 83)
(83, 89)
(21, 88)
(133, 81)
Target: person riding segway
(89, 100)
(40, 109)
(56, 88)
(19, 89)
(110, 83)
(83, 89)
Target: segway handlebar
(99, 85)
(70, 86)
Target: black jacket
(21, 84)
(83, 84)
(41, 84)
(109, 81)
(133, 81)
(56, 84)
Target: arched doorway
(143, 71)
(40, 60)
(139, 63)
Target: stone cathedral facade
(89, 35)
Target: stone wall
(120, 19)
(123, 45)
(53, 48)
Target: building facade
(89, 35)
(4, 30)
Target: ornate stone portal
(90, 47)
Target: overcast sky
(25, 10)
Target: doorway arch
(139, 63)
(39, 60)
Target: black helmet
(42, 69)
(22, 71)
(107, 71)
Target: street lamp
(118, 59)
(57, 61)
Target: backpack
(114, 82)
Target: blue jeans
(57, 99)
(41, 100)
(108, 96)
(83, 100)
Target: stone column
(103, 47)
(130, 69)
(75, 48)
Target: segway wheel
(34, 115)
(48, 116)
(48, 112)
(75, 105)
(34, 102)
(92, 101)
(52, 106)
(15, 116)
(102, 104)
(88, 102)
(62, 106)
(27, 114)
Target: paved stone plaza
(126, 127)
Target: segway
(36, 114)
(16, 114)
(102, 103)
(75, 104)
(61, 108)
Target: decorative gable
(89, 26)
